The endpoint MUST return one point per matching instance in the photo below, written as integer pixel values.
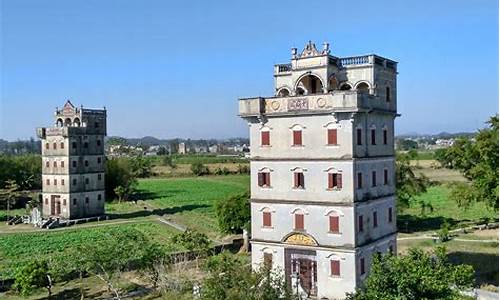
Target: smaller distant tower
(182, 148)
(73, 163)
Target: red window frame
(334, 224)
(297, 137)
(266, 219)
(335, 180)
(298, 180)
(62, 145)
(332, 136)
(265, 138)
(335, 267)
(264, 179)
(299, 221)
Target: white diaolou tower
(322, 169)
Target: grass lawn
(18, 247)
(188, 201)
(445, 209)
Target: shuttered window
(47, 164)
(360, 223)
(62, 164)
(62, 145)
(360, 180)
(298, 180)
(266, 219)
(332, 136)
(334, 224)
(335, 180)
(299, 221)
(264, 138)
(264, 179)
(335, 268)
(359, 136)
(362, 266)
(297, 137)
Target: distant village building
(322, 170)
(182, 148)
(73, 163)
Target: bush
(233, 214)
(444, 233)
(199, 169)
(32, 275)
(243, 169)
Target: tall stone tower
(322, 169)
(73, 163)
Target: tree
(9, 195)
(119, 173)
(233, 214)
(417, 275)
(34, 274)
(408, 185)
(141, 166)
(104, 258)
(478, 161)
(169, 161)
(406, 144)
(231, 277)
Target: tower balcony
(341, 101)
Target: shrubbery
(199, 169)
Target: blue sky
(176, 69)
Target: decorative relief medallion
(298, 104)
(300, 239)
(321, 102)
(275, 105)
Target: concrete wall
(316, 180)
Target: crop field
(187, 201)
(431, 168)
(184, 170)
(18, 247)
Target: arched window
(59, 122)
(67, 122)
(300, 91)
(345, 87)
(298, 216)
(311, 84)
(76, 122)
(283, 92)
(363, 87)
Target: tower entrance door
(301, 271)
(55, 205)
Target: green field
(187, 201)
(444, 210)
(59, 244)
